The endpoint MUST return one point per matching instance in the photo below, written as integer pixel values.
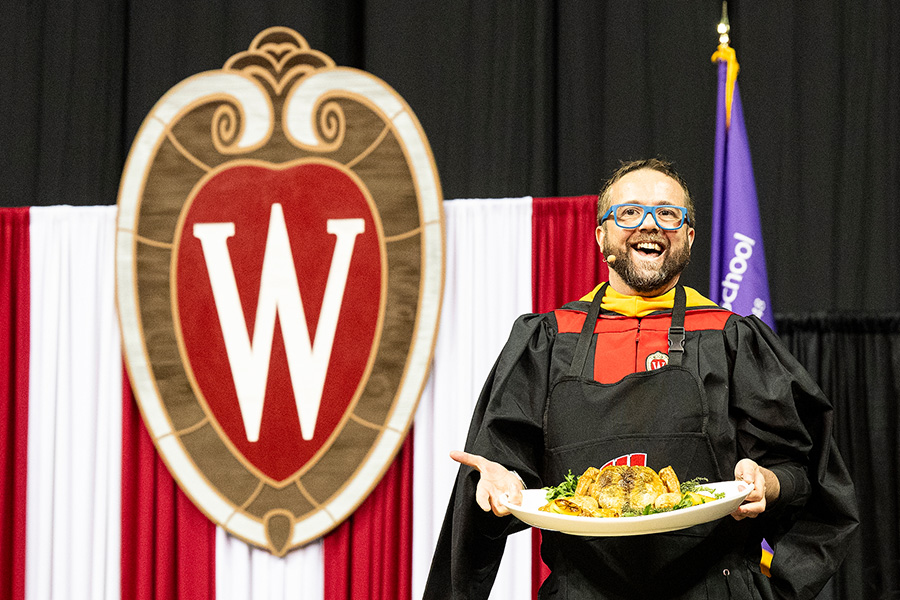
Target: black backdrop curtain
(519, 98)
(543, 98)
(856, 361)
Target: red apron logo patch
(279, 279)
(657, 360)
(635, 459)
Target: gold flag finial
(725, 53)
(724, 27)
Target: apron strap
(578, 367)
(676, 328)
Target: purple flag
(737, 279)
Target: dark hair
(656, 164)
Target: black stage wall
(543, 98)
(519, 98)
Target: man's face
(648, 260)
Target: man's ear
(691, 237)
(599, 233)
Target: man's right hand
(495, 481)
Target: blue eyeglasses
(630, 216)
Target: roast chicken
(619, 489)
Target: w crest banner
(279, 270)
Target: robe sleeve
(505, 428)
(785, 420)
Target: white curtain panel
(487, 285)
(244, 572)
(75, 407)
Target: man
(643, 367)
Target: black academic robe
(759, 403)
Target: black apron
(662, 413)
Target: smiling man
(643, 371)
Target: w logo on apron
(635, 459)
(657, 360)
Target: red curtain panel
(566, 264)
(168, 545)
(370, 554)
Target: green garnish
(563, 490)
(694, 485)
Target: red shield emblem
(279, 278)
(657, 360)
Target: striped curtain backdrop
(88, 509)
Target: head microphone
(611, 259)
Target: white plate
(735, 492)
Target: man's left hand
(766, 488)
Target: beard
(645, 280)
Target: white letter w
(279, 293)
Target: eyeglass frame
(685, 219)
